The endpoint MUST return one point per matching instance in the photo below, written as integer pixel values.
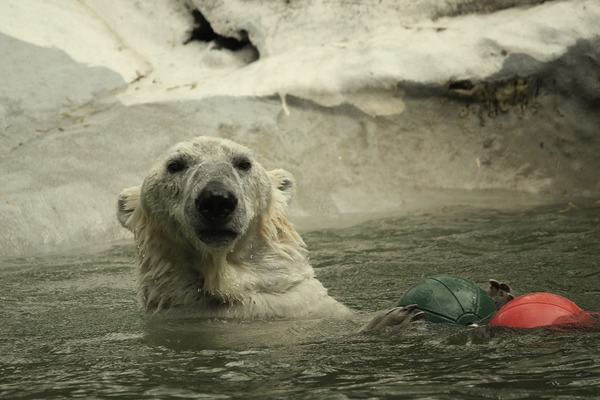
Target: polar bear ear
(284, 183)
(275, 227)
(129, 200)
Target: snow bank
(312, 49)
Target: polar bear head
(211, 194)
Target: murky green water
(69, 326)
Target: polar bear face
(206, 191)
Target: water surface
(70, 327)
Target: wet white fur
(263, 274)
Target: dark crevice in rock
(203, 32)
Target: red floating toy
(542, 309)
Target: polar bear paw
(397, 316)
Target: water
(69, 325)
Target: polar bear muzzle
(216, 205)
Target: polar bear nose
(216, 202)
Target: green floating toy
(450, 299)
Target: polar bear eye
(175, 166)
(243, 164)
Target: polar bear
(213, 239)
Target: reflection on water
(69, 325)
